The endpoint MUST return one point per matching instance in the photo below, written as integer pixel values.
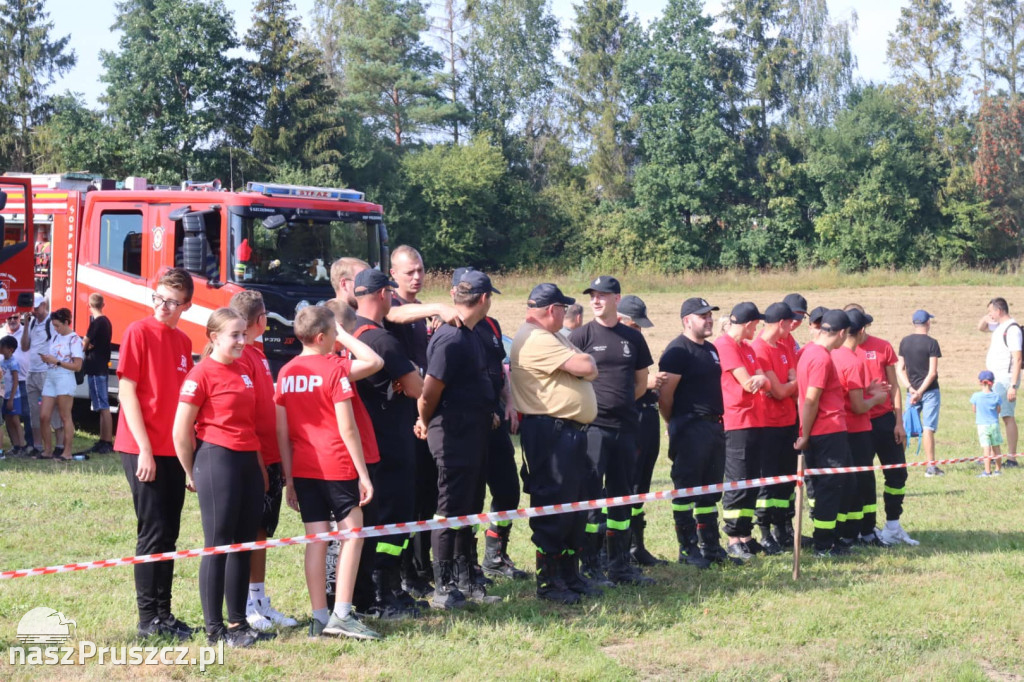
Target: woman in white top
(64, 358)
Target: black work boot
(638, 553)
(399, 593)
(385, 606)
(550, 585)
(591, 564)
(497, 563)
(465, 580)
(474, 564)
(689, 551)
(446, 594)
(569, 567)
(620, 571)
(412, 582)
(768, 543)
(710, 544)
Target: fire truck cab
(92, 236)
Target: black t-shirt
(619, 352)
(457, 357)
(390, 412)
(916, 350)
(700, 386)
(414, 336)
(494, 352)
(97, 358)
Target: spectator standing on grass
(1004, 361)
(11, 408)
(985, 404)
(918, 369)
(552, 387)
(36, 340)
(64, 357)
(97, 361)
(155, 356)
(573, 319)
(15, 328)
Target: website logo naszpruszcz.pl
(46, 636)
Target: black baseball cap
(635, 309)
(370, 281)
(696, 306)
(817, 314)
(478, 282)
(858, 320)
(745, 312)
(796, 303)
(835, 321)
(606, 284)
(777, 312)
(547, 294)
(459, 272)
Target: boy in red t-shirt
(324, 461)
(154, 358)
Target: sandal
(41, 457)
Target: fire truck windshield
(299, 252)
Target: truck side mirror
(194, 248)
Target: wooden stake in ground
(798, 516)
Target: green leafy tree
(30, 61)
(997, 47)
(76, 138)
(999, 167)
(169, 83)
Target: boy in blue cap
(985, 404)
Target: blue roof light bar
(328, 193)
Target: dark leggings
(230, 489)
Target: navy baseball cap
(817, 314)
(921, 316)
(858, 320)
(745, 312)
(547, 294)
(796, 303)
(987, 377)
(635, 309)
(777, 312)
(696, 306)
(605, 284)
(370, 281)
(459, 272)
(478, 282)
(835, 321)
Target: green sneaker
(349, 626)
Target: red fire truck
(93, 237)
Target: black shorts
(272, 500)
(319, 499)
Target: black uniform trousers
(696, 448)
(788, 467)
(648, 444)
(555, 456)
(776, 452)
(742, 462)
(890, 452)
(458, 442)
(860, 517)
(502, 477)
(611, 464)
(362, 593)
(826, 451)
(395, 494)
(158, 506)
(426, 506)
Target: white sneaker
(276, 617)
(902, 536)
(257, 621)
(889, 537)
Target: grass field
(948, 609)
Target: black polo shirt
(494, 351)
(619, 352)
(389, 411)
(700, 386)
(456, 356)
(414, 336)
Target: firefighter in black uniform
(501, 476)
(633, 313)
(691, 404)
(455, 417)
(622, 359)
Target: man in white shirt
(1004, 361)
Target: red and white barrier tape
(400, 528)
(881, 467)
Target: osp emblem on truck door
(158, 238)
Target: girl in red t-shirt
(216, 411)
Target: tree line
(697, 141)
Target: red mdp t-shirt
(877, 355)
(226, 398)
(308, 388)
(258, 370)
(852, 375)
(156, 358)
(816, 369)
(743, 410)
(776, 359)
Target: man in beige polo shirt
(551, 387)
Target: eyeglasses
(169, 303)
